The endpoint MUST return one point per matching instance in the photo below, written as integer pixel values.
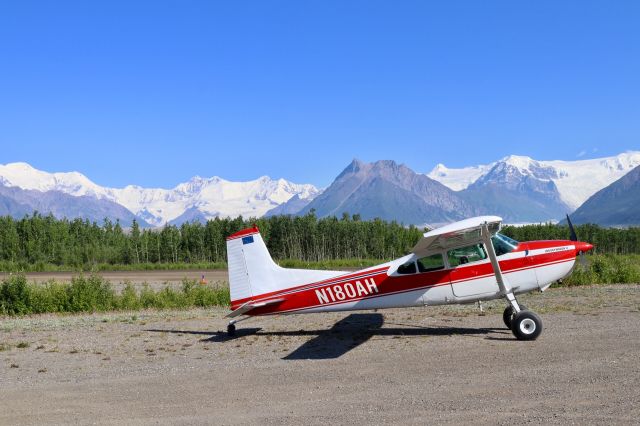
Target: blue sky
(152, 93)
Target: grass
(605, 269)
(95, 294)
(599, 269)
(17, 267)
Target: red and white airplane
(464, 262)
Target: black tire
(507, 315)
(231, 330)
(526, 325)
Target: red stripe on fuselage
(305, 296)
(399, 291)
(345, 277)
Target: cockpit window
(503, 244)
(463, 255)
(407, 268)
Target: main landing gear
(525, 325)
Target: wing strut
(505, 288)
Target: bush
(94, 294)
(14, 296)
(605, 269)
(90, 294)
(48, 297)
(129, 299)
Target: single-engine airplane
(463, 262)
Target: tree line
(80, 243)
(76, 243)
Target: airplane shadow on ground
(345, 335)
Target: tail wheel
(526, 325)
(507, 315)
(231, 330)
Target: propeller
(574, 237)
(572, 231)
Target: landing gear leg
(524, 324)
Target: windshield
(503, 244)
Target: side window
(468, 254)
(407, 268)
(430, 263)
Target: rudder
(252, 271)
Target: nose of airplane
(582, 247)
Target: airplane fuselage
(531, 266)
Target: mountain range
(575, 181)
(518, 188)
(198, 199)
(616, 205)
(389, 191)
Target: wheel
(526, 325)
(507, 315)
(231, 330)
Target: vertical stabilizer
(253, 273)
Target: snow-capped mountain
(458, 179)
(575, 181)
(518, 190)
(198, 198)
(212, 197)
(616, 205)
(390, 191)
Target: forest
(40, 242)
(43, 242)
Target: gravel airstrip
(449, 365)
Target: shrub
(90, 294)
(48, 297)
(17, 297)
(605, 269)
(129, 299)
(14, 296)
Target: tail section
(252, 272)
(238, 276)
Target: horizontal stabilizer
(249, 306)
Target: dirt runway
(447, 365)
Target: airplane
(464, 262)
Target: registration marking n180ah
(346, 291)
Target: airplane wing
(243, 309)
(457, 234)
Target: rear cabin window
(469, 254)
(407, 268)
(430, 263)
